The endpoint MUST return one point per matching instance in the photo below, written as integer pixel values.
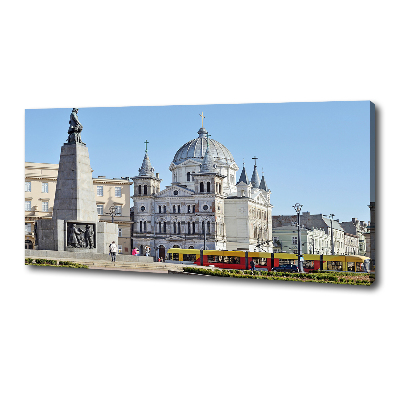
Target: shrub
(28, 260)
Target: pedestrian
(113, 250)
(134, 251)
(252, 266)
(147, 251)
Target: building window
(159, 227)
(28, 228)
(201, 187)
(145, 226)
(119, 232)
(28, 205)
(145, 189)
(174, 209)
(165, 209)
(193, 208)
(208, 187)
(120, 249)
(100, 209)
(140, 189)
(118, 210)
(100, 191)
(45, 187)
(28, 187)
(208, 226)
(45, 206)
(159, 209)
(193, 227)
(188, 209)
(179, 227)
(175, 227)
(188, 176)
(118, 192)
(294, 239)
(179, 209)
(140, 226)
(188, 228)
(165, 227)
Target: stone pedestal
(74, 203)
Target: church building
(204, 207)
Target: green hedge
(53, 263)
(337, 278)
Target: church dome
(196, 150)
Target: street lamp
(112, 212)
(330, 216)
(297, 208)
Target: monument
(74, 226)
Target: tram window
(215, 259)
(334, 266)
(175, 256)
(351, 267)
(358, 267)
(308, 264)
(189, 257)
(283, 261)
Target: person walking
(113, 250)
(252, 266)
(134, 251)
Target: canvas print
(251, 191)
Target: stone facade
(201, 205)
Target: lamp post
(297, 208)
(112, 212)
(330, 216)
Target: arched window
(144, 227)
(201, 187)
(179, 227)
(202, 226)
(175, 227)
(140, 189)
(159, 227)
(144, 189)
(174, 209)
(159, 209)
(188, 228)
(165, 227)
(194, 227)
(188, 176)
(165, 209)
(208, 226)
(179, 209)
(208, 187)
(194, 208)
(141, 227)
(188, 209)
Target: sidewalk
(156, 267)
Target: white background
(70, 334)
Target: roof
(196, 150)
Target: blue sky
(316, 154)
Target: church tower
(243, 186)
(146, 186)
(255, 179)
